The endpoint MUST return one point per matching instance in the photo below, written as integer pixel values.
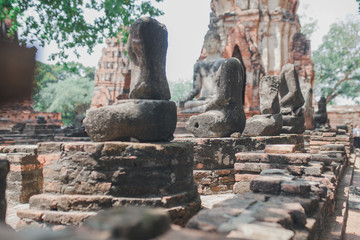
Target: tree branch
(332, 93)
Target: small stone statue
(291, 101)
(148, 116)
(291, 98)
(270, 122)
(224, 114)
(204, 76)
(320, 117)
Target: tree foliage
(337, 61)
(63, 88)
(179, 89)
(64, 22)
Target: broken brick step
(179, 214)
(55, 217)
(98, 202)
(280, 148)
(288, 159)
(222, 150)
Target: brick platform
(214, 158)
(82, 178)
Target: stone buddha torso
(204, 85)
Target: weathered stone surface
(190, 234)
(268, 184)
(291, 98)
(261, 231)
(25, 178)
(130, 223)
(4, 170)
(224, 114)
(147, 51)
(144, 120)
(121, 169)
(280, 148)
(264, 125)
(223, 150)
(269, 99)
(210, 220)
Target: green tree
(70, 97)
(47, 74)
(337, 61)
(64, 22)
(63, 88)
(179, 89)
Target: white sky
(187, 22)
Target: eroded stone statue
(270, 122)
(320, 117)
(224, 114)
(148, 116)
(147, 51)
(204, 76)
(291, 100)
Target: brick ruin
(112, 78)
(264, 35)
(290, 186)
(287, 185)
(17, 66)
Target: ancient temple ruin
(264, 35)
(112, 77)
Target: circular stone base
(144, 120)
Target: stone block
(263, 125)
(130, 223)
(280, 148)
(25, 177)
(267, 184)
(256, 231)
(299, 188)
(150, 121)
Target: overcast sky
(187, 22)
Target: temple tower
(264, 35)
(112, 77)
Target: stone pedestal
(25, 178)
(83, 178)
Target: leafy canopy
(63, 88)
(64, 22)
(337, 61)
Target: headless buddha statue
(204, 85)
